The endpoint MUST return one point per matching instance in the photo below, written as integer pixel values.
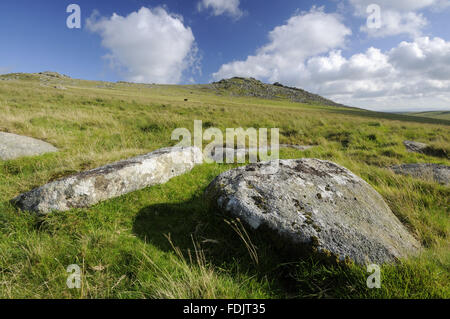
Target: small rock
(297, 147)
(219, 153)
(13, 146)
(314, 205)
(415, 147)
(433, 172)
(88, 188)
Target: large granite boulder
(13, 146)
(433, 172)
(314, 205)
(90, 187)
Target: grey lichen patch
(317, 206)
(104, 170)
(101, 183)
(309, 170)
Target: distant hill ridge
(443, 115)
(32, 76)
(54, 75)
(239, 86)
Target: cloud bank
(150, 45)
(413, 74)
(307, 52)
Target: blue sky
(322, 46)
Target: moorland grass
(162, 242)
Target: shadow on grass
(436, 152)
(191, 220)
(225, 249)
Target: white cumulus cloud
(222, 7)
(413, 74)
(282, 59)
(150, 45)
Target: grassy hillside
(161, 242)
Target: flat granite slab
(13, 146)
(87, 188)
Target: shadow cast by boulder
(436, 152)
(191, 221)
(179, 220)
(224, 248)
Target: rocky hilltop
(238, 86)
